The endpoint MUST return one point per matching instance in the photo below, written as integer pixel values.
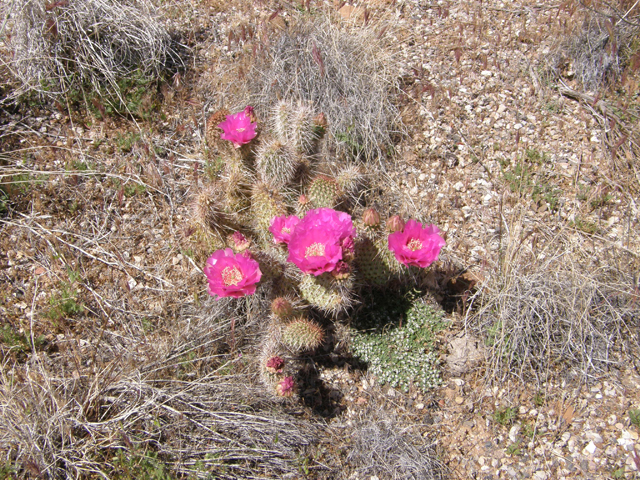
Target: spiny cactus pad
(324, 192)
(371, 267)
(327, 293)
(302, 334)
(276, 163)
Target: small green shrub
(505, 415)
(65, 302)
(634, 416)
(584, 225)
(402, 355)
(514, 449)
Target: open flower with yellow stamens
(239, 128)
(282, 228)
(319, 240)
(416, 245)
(232, 275)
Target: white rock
(596, 438)
(486, 73)
(459, 187)
(590, 449)
(540, 475)
(513, 433)
(626, 441)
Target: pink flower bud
(395, 224)
(285, 387)
(371, 217)
(282, 308)
(275, 365)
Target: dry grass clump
(195, 408)
(600, 46)
(57, 46)
(554, 308)
(384, 447)
(347, 75)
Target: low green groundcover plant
(403, 355)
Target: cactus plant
(323, 192)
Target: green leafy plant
(126, 141)
(634, 416)
(584, 226)
(133, 189)
(513, 449)
(65, 302)
(140, 465)
(539, 399)
(18, 341)
(505, 415)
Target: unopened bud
(320, 120)
(395, 224)
(371, 217)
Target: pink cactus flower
(282, 227)
(232, 275)
(238, 128)
(285, 387)
(318, 240)
(415, 245)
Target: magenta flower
(282, 227)
(316, 244)
(232, 275)
(415, 245)
(238, 128)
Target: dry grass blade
(215, 421)
(384, 447)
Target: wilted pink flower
(285, 387)
(342, 270)
(415, 245)
(248, 111)
(275, 364)
(316, 244)
(282, 227)
(238, 128)
(239, 242)
(232, 275)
